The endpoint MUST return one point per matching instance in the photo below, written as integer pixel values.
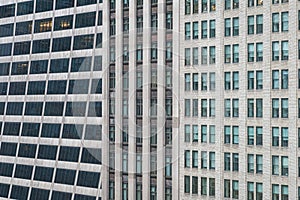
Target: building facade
(239, 99)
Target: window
(7, 11)
(85, 2)
(227, 161)
(6, 30)
(187, 157)
(259, 22)
(284, 21)
(251, 52)
(275, 22)
(204, 29)
(212, 28)
(250, 25)
(235, 22)
(235, 162)
(85, 20)
(63, 23)
(284, 192)
(61, 4)
(83, 42)
(25, 8)
(187, 183)
(235, 51)
(41, 46)
(284, 166)
(284, 50)
(187, 7)
(21, 48)
(212, 160)
(227, 188)
(275, 192)
(195, 56)
(5, 49)
(275, 165)
(203, 186)
(250, 166)
(187, 31)
(227, 54)
(275, 51)
(227, 27)
(43, 25)
(61, 44)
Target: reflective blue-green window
(43, 174)
(4, 189)
(59, 65)
(39, 67)
(72, 131)
(65, 176)
(69, 154)
(85, 20)
(43, 25)
(99, 40)
(4, 69)
(6, 169)
(90, 155)
(8, 149)
(36, 87)
(34, 108)
(23, 28)
(25, 8)
(88, 179)
(39, 194)
(61, 44)
(85, 2)
(5, 49)
(57, 87)
(60, 4)
(30, 129)
(61, 195)
(47, 152)
(27, 150)
(3, 88)
(93, 132)
(96, 86)
(17, 88)
(21, 48)
(95, 109)
(54, 108)
(41, 46)
(75, 109)
(23, 171)
(81, 64)
(11, 128)
(19, 192)
(83, 42)
(2, 105)
(50, 130)
(43, 5)
(83, 197)
(98, 63)
(14, 108)
(6, 30)
(78, 86)
(7, 11)
(19, 68)
(63, 23)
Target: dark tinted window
(4, 69)
(61, 195)
(85, 2)
(81, 64)
(62, 23)
(8, 149)
(39, 194)
(41, 46)
(5, 49)
(83, 42)
(59, 65)
(25, 8)
(54, 108)
(96, 86)
(78, 87)
(99, 40)
(47, 152)
(6, 169)
(88, 179)
(72, 131)
(6, 30)
(43, 174)
(100, 18)
(21, 48)
(14, 108)
(17, 88)
(61, 44)
(95, 109)
(7, 11)
(93, 132)
(44, 5)
(50, 130)
(34, 108)
(56, 87)
(19, 192)
(3, 88)
(83, 197)
(69, 154)
(27, 150)
(23, 171)
(85, 20)
(38, 66)
(19, 68)
(4, 189)
(60, 4)
(23, 28)
(36, 87)
(90, 155)
(11, 128)
(75, 109)
(43, 25)
(65, 176)
(98, 63)
(30, 129)
(2, 105)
